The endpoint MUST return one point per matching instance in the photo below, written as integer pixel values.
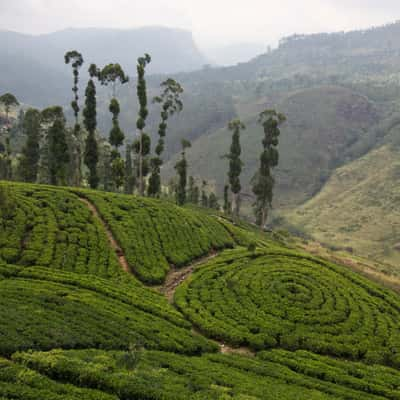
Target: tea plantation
(155, 235)
(290, 300)
(58, 310)
(75, 325)
(157, 375)
(53, 228)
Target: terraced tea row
(155, 234)
(41, 309)
(293, 301)
(274, 375)
(52, 228)
(20, 383)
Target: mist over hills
(33, 67)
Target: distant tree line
(57, 154)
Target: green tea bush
(155, 235)
(41, 309)
(277, 375)
(290, 300)
(20, 383)
(53, 228)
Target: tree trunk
(235, 204)
(264, 216)
(141, 188)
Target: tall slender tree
(58, 156)
(75, 58)
(213, 201)
(8, 101)
(29, 165)
(235, 164)
(204, 197)
(196, 195)
(191, 193)
(181, 168)
(227, 204)
(129, 177)
(263, 181)
(112, 74)
(171, 103)
(91, 156)
(142, 62)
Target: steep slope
(358, 208)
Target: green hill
(358, 208)
(78, 318)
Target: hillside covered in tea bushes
(84, 315)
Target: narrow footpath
(120, 254)
(174, 278)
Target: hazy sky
(213, 22)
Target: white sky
(213, 22)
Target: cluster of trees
(60, 155)
(8, 101)
(263, 181)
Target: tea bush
(41, 309)
(20, 383)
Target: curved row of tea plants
(20, 383)
(157, 375)
(53, 228)
(42, 309)
(155, 234)
(290, 300)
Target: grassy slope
(358, 208)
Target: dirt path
(120, 254)
(176, 276)
(241, 351)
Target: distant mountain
(33, 67)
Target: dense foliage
(235, 164)
(286, 299)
